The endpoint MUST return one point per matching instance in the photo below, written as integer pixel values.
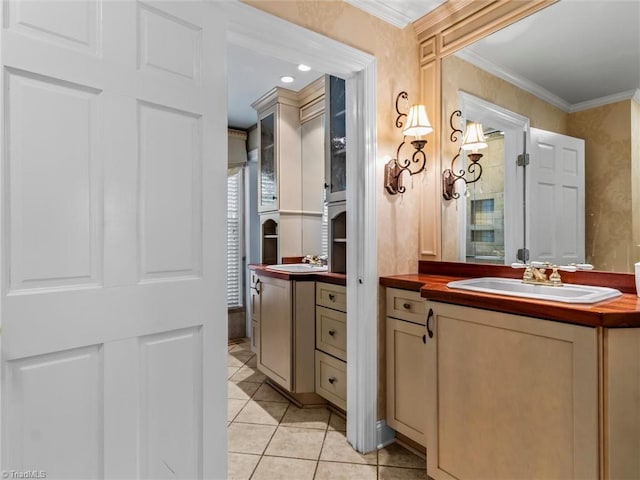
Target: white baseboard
(384, 434)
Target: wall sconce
(473, 140)
(417, 125)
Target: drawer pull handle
(332, 380)
(256, 286)
(407, 306)
(427, 324)
(332, 297)
(332, 332)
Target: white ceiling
(574, 54)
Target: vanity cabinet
(254, 310)
(285, 330)
(509, 396)
(406, 363)
(331, 343)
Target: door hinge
(523, 255)
(523, 160)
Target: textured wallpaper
(609, 184)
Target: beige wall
(608, 183)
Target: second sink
(568, 293)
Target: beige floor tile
(268, 394)
(241, 390)
(317, 418)
(345, 471)
(395, 455)
(252, 362)
(248, 374)
(397, 473)
(233, 407)
(276, 468)
(264, 413)
(337, 422)
(232, 371)
(241, 465)
(337, 449)
(240, 356)
(296, 443)
(249, 438)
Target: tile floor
(270, 438)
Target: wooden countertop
(327, 277)
(620, 312)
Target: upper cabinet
(336, 140)
(279, 166)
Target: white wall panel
(55, 186)
(58, 423)
(156, 32)
(170, 192)
(171, 393)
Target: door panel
(556, 198)
(48, 410)
(113, 312)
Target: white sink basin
(568, 293)
(298, 268)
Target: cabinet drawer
(332, 296)
(331, 379)
(406, 305)
(331, 332)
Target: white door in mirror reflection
(555, 198)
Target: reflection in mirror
(487, 218)
(547, 70)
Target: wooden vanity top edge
(328, 277)
(622, 312)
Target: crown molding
(517, 80)
(383, 11)
(598, 102)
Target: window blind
(234, 238)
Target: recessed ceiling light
(304, 68)
(287, 79)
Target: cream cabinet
(406, 363)
(290, 171)
(331, 343)
(285, 348)
(254, 310)
(509, 396)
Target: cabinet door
(267, 162)
(336, 146)
(406, 379)
(510, 396)
(274, 357)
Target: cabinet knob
(407, 306)
(332, 297)
(332, 332)
(332, 380)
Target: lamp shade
(417, 122)
(473, 137)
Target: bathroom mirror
(572, 68)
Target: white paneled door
(112, 298)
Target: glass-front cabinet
(268, 173)
(336, 140)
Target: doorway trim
(272, 36)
